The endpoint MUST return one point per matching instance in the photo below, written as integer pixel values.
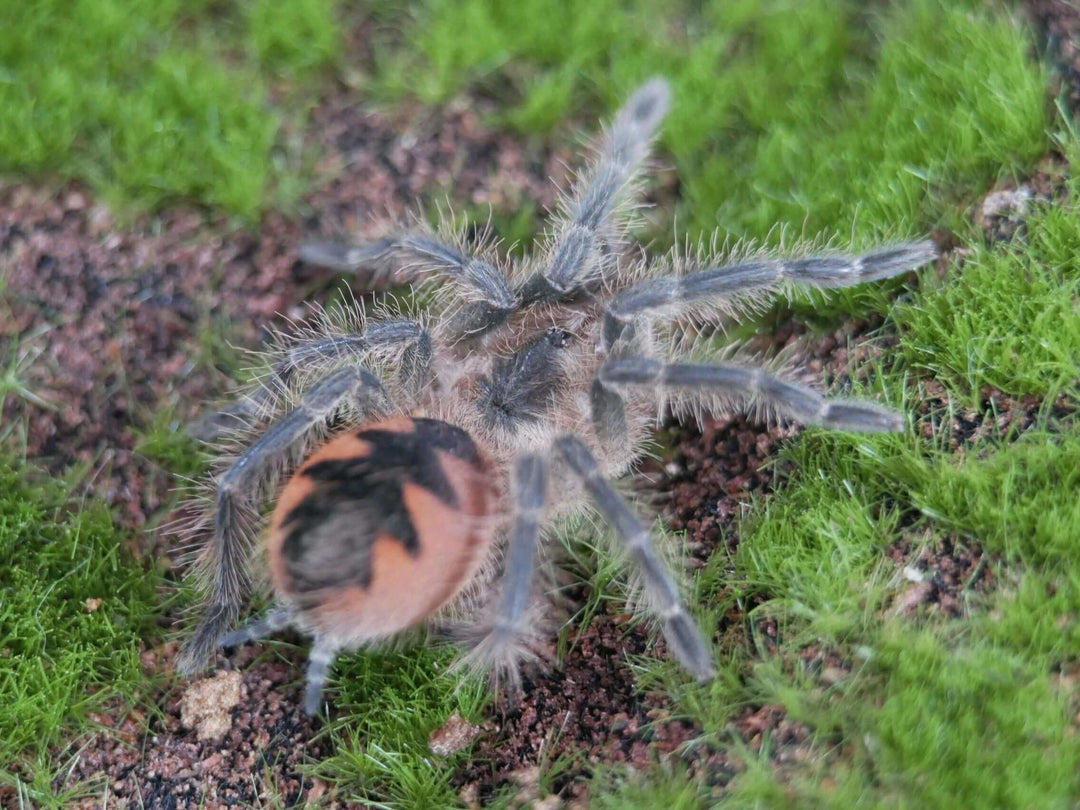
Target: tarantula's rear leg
(269, 624)
(504, 644)
(322, 655)
(227, 577)
(735, 383)
(588, 236)
(414, 374)
(727, 286)
(681, 632)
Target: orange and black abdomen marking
(382, 526)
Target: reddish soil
(168, 767)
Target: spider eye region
(381, 527)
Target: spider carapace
(539, 380)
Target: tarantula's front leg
(727, 287)
(681, 632)
(410, 258)
(752, 385)
(227, 577)
(414, 374)
(587, 237)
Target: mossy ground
(791, 119)
(75, 606)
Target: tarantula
(461, 432)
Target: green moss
(809, 115)
(968, 725)
(388, 705)
(166, 442)
(940, 712)
(294, 38)
(138, 99)
(60, 656)
(1003, 317)
(665, 788)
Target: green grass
(388, 705)
(166, 442)
(59, 661)
(293, 39)
(816, 116)
(1007, 318)
(166, 110)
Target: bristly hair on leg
(501, 657)
(584, 241)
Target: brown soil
(168, 766)
(588, 709)
(943, 577)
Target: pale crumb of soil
(207, 704)
(456, 734)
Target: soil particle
(1002, 214)
(454, 735)
(207, 703)
(944, 576)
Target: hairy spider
(459, 434)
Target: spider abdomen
(381, 527)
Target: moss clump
(75, 608)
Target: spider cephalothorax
(513, 400)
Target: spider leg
(588, 235)
(412, 257)
(681, 632)
(227, 575)
(500, 648)
(320, 659)
(725, 285)
(756, 386)
(415, 370)
(608, 415)
(269, 624)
